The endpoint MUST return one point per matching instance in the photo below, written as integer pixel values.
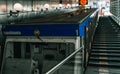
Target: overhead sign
(83, 2)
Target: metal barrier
(89, 35)
(62, 62)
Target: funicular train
(37, 47)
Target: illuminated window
(3, 7)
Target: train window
(62, 48)
(17, 50)
(36, 45)
(62, 52)
(37, 48)
(27, 47)
(9, 50)
(49, 57)
(27, 52)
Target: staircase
(105, 53)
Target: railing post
(83, 53)
(77, 67)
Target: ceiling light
(18, 7)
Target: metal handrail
(62, 62)
(3, 60)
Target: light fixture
(60, 5)
(46, 6)
(77, 4)
(37, 6)
(37, 34)
(3, 8)
(68, 5)
(53, 5)
(18, 7)
(73, 5)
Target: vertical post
(23, 50)
(77, 67)
(4, 55)
(60, 1)
(9, 50)
(119, 11)
(1, 45)
(70, 1)
(32, 5)
(83, 53)
(32, 48)
(6, 7)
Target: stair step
(103, 44)
(113, 33)
(105, 59)
(105, 33)
(106, 37)
(105, 51)
(110, 42)
(102, 70)
(107, 42)
(104, 47)
(103, 64)
(106, 54)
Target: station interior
(59, 36)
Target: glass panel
(71, 66)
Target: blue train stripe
(77, 29)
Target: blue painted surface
(82, 26)
(82, 30)
(49, 29)
(45, 30)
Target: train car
(35, 46)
